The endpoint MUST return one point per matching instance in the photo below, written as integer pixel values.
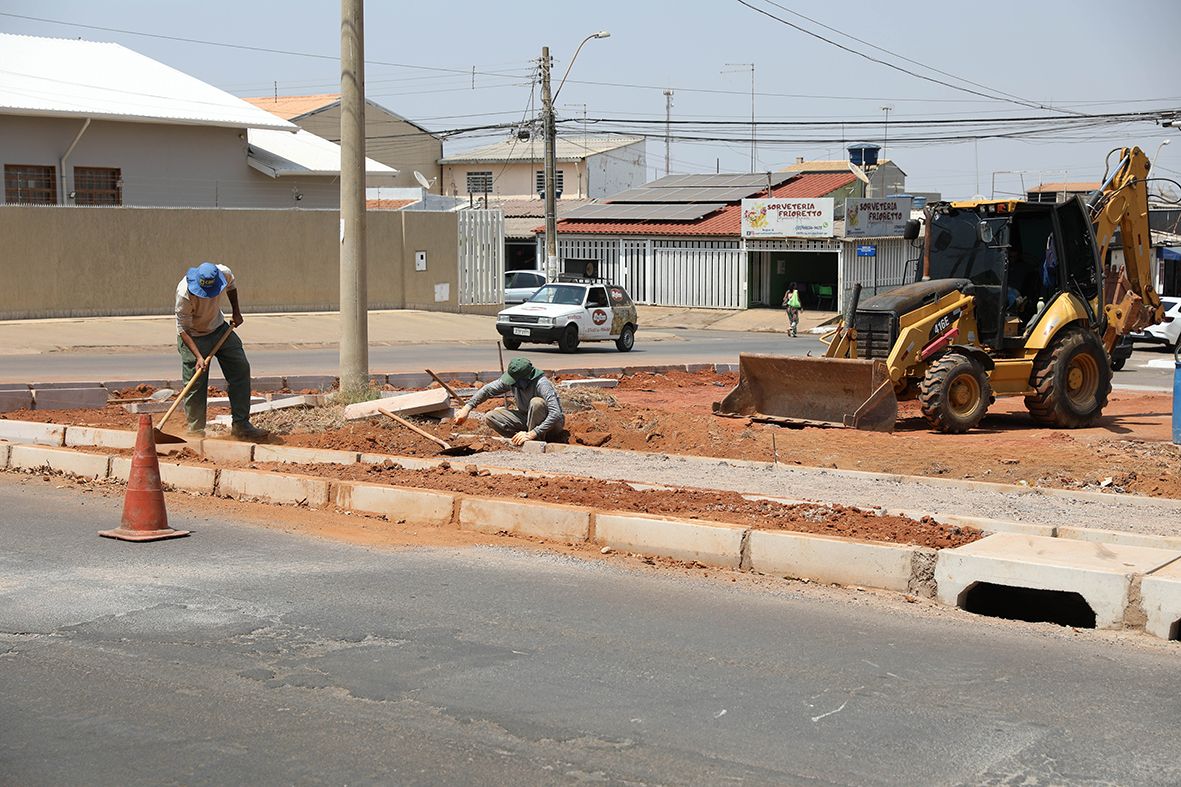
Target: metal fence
(695, 274)
(481, 258)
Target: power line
(1017, 99)
(1021, 102)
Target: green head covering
(520, 369)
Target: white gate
(702, 275)
(637, 272)
(693, 274)
(481, 259)
(894, 262)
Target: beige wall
(85, 262)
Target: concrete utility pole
(668, 120)
(551, 208)
(354, 292)
(547, 111)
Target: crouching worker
(538, 414)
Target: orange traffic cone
(144, 517)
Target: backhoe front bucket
(786, 388)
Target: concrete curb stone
(223, 450)
(1160, 598)
(30, 457)
(16, 399)
(832, 559)
(99, 438)
(547, 520)
(396, 503)
(1119, 537)
(318, 381)
(293, 455)
(32, 433)
(273, 488)
(715, 544)
(187, 478)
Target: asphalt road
(247, 655)
(1149, 367)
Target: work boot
(245, 431)
(195, 434)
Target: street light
(547, 109)
(1157, 153)
(600, 34)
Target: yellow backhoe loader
(1012, 298)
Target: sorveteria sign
(876, 218)
(787, 218)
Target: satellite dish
(858, 171)
(422, 181)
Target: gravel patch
(1159, 517)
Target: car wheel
(568, 342)
(511, 344)
(627, 339)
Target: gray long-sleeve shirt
(555, 419)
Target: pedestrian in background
(791, 302)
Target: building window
(479, 182)
(30, 185)
(557, 182)
(98, 186)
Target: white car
(1166, 332)
(519, 286)
(568, 313)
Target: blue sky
(1037, 58)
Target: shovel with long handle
(500, 355)
(446, 387)
(162, 437)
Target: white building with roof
(586, 166)
(389, 138)
(91, 123)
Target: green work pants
(234, 367)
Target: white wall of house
(517, 180)
(162, 165)
(600, 175)
(617, 170)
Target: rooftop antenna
(668, 114)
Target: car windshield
(563, 294)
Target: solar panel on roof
(641, 212)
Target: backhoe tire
(568, 341)
(1071, 380)
(955, 394)
(511, 344)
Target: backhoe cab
(1008, 301)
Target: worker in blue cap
(538, 414)
(200, 325)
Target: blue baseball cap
(206, 280)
